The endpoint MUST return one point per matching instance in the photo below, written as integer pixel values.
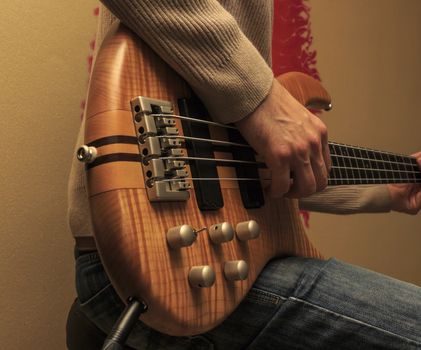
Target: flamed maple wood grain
(130, 230)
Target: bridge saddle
(159, 147)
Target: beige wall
(44, 46)
(374, 79)
(369, 59)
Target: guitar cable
(124, 325)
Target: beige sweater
(222, 49)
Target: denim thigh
(296, 303)
(334, 305)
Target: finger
(265, 176)
(318, 163)
(416, 155)
(418, 158)
(319, 168)
(415, 201)
(304, 182)
(324, 142)
(326, 154)
(418, 200)
(281, 181)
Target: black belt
(85, 243)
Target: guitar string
(247, 146)
(352, 181)
(195, 120)
(197, 139)
(331, 180)
(237, 161)
(332, 143)
(235, 144)
(332, 146)
(414, 172)
(370, 150)
(263, 165)
(377, 160)
(391, 180)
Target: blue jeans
(296, 303)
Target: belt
(85, 243)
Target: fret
(338, 162)
(371, 181)
(400, 166)
(403, 174)
(373, 173)
(388, 165)
(335, 173)
(341, 164)
(418, 173)
(412, 175)
(358, 165)
(367, 165)
(393, 161)
(379, 171)
(358, 175)
(380, 161)
(413, 165)
(348, 164)
(395, 166)
(374, 164)
(408, 168)
(361, 167)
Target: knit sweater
(223, 50)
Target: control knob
(220, 233)
(181, 236)
(247, 230)
(201, 276)
(236, 270)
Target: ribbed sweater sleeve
(202, 42)
(349, 200)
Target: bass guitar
(180, 218)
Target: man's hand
(407, 198)
(291, 140)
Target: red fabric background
(291, 44)
(292, 38)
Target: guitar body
(130, 230)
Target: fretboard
(353, 165)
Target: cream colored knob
(220, 233)
(247, 230)
(236, 270)
(201, 276)
(181, 236)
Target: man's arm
(406, 198)
(202, 42)
(366, 199)
(292, 141)
(349, 200)
(205, 45)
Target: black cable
(124, 325)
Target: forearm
(349, 200)
(205, 45)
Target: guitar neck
(353, 165)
